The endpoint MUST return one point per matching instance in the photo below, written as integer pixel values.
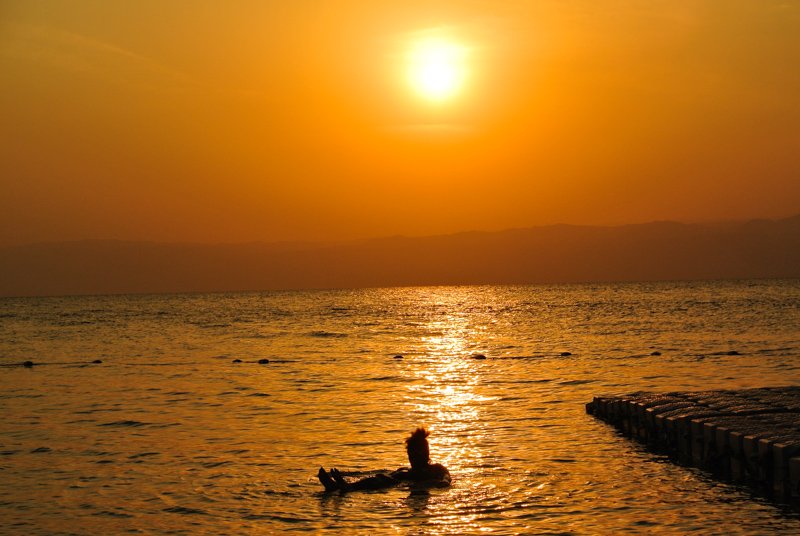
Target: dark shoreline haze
(554, 254)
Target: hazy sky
(211, 121)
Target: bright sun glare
(437, 68)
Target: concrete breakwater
(747, 436)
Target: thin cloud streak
(67, 51)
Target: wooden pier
(747, 436)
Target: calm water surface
(169, 436)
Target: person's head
(419, 454)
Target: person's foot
(326, 480)
(342, 483)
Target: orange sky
(210, 121)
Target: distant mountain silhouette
(552, 254)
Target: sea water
(168, 435)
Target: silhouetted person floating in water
(422, 470)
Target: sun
(437, 68)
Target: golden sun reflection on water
(447, 395)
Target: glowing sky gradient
(205, 121)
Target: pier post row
(749, 436)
